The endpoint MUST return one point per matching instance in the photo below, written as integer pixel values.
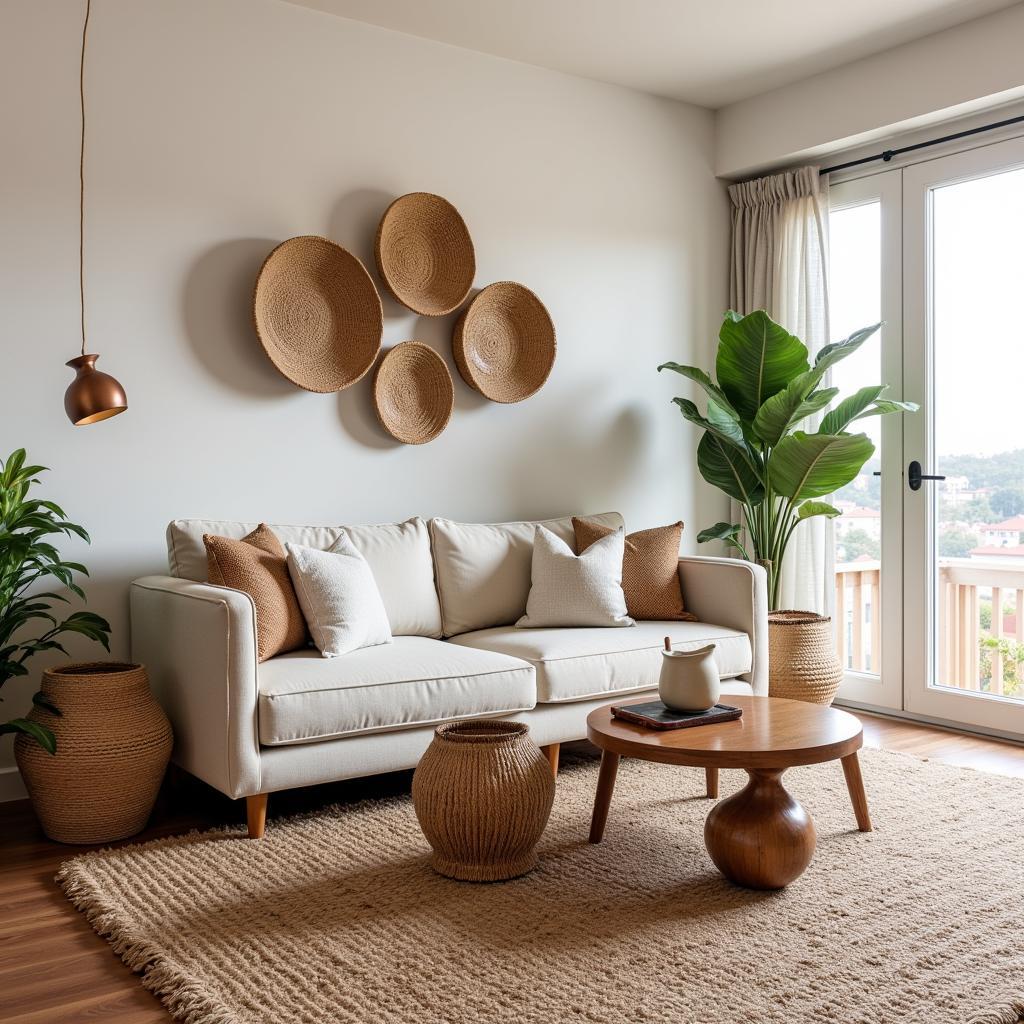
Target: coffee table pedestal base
(760, 838)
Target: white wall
(220, 127)
(942, 76)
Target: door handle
(915, 476)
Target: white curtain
(780, 265)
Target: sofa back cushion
(483, 569)
(257, 566)
(398, 553)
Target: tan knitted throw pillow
(257, 564)
(650, 569)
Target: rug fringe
(1009, 1012)
(185, 1000)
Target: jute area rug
(337, 917)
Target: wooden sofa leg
(256, 814)
(551, 750)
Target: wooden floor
(55, 970)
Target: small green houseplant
(28, 560)
(753, 448)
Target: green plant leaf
(78, 530)
(38, 646)
(13, 466)
(793, 403)
(809, 509)
(724, 467)
(54, 508)
(716, 422)
(836, 421)
(712, 390)
(91, 617)
(728, 533)
(888, 405)
(43, 736)
(41, 702)
(813, 465)
(831, 354)
(757, 358)
(720, 531)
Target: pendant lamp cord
(81, 179)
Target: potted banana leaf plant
(756, 448)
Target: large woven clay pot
(802, 662)
(483, 792)
(113, 744)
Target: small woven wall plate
(317, 314)
(413, 393)
(424, 254)
(504, 343)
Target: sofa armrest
(732, 593)
(198, 643)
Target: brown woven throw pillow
(650, 569)
(257, 564)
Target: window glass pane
(855, 300)
(978, 359)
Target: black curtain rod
(888, 154)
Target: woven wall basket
(317, 314)
(802, 662)
(413, 393)
(483, 792)
(113, 743)
(504, 343)
(424, 254)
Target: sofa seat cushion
(578, 664)
(413, 681)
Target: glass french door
(864, 288)
(963, 222)
(929, 549)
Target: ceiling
(703, 51)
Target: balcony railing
(857, 603)
(979, 616)
(966, 587)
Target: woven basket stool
(113, 744)
(483, 792)
(802, 662)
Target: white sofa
(452, 592)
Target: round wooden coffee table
(760, 837)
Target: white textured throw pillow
(339, 598)
(576, 590)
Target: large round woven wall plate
(504, 342)
(413, 393)
(424, 254)
(317, 314)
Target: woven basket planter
(424, 254)
(317, 314)
(504, 343)
(483, 792)
(802, 662)
(413, 393)
(113, 744)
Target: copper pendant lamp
(93, 395)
